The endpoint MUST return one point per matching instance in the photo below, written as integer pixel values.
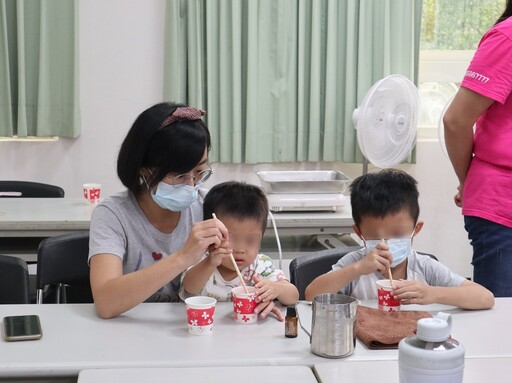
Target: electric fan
(386, 121)
(440, 128)
(435, 99)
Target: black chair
(26, 189)
(430, 255)
(307, 267)
(62, 269)
(14, 285)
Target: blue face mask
(172, 198)
(399, 248)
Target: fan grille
(387, 121)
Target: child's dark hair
(177, 147)
(383, 193)
(238, 200)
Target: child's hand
(378, 259)
(413, 292)
(265, 290)
(267, 305)
(216, 255)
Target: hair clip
(184, 113)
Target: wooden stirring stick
(236, 267)
(389, 271)
(390, 277)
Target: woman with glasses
(142, 239)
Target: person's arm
(267, 306)
(334, 281)
(458, 122)
(288, 293)
(469, 295)
(196, 277)
(378, 259)
(283, 291)
(115, 293)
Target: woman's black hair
(238, 200)
(384, 193)
(177, 147)
(506, 13)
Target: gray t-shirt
(119, 227)
(419, 267)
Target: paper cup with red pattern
(244, 304)
(200, 313)
(92, 193)
(386, 301)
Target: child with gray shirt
(385, 210)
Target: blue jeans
(492, 254)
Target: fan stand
(365, 165)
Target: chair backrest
(26, 189)
(430, 255)
(62, 260)
(14, 284)
(307, 267)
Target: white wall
(121, 73)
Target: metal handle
(302, 327)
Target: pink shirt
(488, 187)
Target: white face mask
(171, 198)
(174, 199)
(400, 248)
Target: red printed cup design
(386, 301)
(92, 192)
(200, 313)
(244, 305)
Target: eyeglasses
(181, 180)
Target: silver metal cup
(333, 325)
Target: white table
(247, 374)
(478, 370)
(43, 217)
(484, 333)
(154, 335)
(46, 217)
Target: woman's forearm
(115, 293)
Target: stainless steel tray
(303, 181)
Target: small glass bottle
(290, 322)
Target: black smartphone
(22, 327)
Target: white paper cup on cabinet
(92, 192)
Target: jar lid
(435, 329)
(291, 311)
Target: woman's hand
(205, 234)
(216, 255)
(459, 196)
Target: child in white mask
(385, 210)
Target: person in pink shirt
(483, 160)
